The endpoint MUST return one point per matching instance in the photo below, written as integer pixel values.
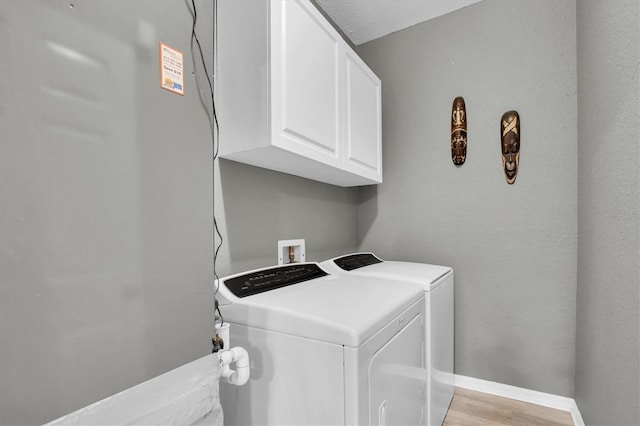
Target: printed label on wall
(171, 69)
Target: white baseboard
(576, 416)
(534, 397)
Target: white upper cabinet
(363, 143)
(292, 95)
(305, 83)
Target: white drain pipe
(239, 355)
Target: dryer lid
(344, 310)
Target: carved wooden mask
(458, 131)
(510, 131)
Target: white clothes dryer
(438, 286)
(324, 349)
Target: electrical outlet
(290, 251)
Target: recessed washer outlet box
(291, 251)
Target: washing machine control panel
(355, 261)
(271, 279)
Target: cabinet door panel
(363, 140)
(306, 82)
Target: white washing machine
(438, 284)
(324, 349)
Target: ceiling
(366, 20)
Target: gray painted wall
(258, 207)
(105, 211)
(513, 248)
(106, 205)
(608, 311)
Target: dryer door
(385, 376)
(397, 379)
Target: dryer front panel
(387, 373)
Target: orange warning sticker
(171, 69)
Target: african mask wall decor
(458, 131)
(510, 131)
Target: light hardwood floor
(470, 408)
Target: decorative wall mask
(458, 131)
(510, 131)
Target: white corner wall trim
(534, 397)
(575, 415)
(185, 396)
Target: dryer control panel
(273, 278)
(355, 261)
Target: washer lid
(345, 310)
(430, 276)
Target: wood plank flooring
(470, 408)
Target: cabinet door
(363, 145)
(306, 69)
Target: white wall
(513, 248)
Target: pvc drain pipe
(239, 355)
